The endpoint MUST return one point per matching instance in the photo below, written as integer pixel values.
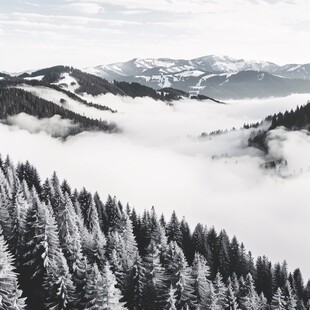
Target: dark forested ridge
(66, 249)
(297, 119)
(95, 85)
(14, 101)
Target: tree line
(67, 249)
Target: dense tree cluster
(291, 120)
(66, 249)
(137, 90)
(14, 101)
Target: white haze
(158, 160)
(54, 126)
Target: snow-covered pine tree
(171, 301)
(136, 285)
(213, 302)
(129, 248)
(219, 290)
(278, 302)
(231, 299)
(71, 244)
(200, 274)
(57, 198)
(58, 285)
(180, 276)
(97, 239)
(289, 297)
(10, 294)
(249, 300)
(17, 211)
(94, 298)
(32, 270)
(5, 219)
(262, 302)
(112, 294)
(154, 288)
(101, 291)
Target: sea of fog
(159, 160)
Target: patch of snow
(70, 104)
(194, 73)
(68, 82)
(37, 78)
(294, 68)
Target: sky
(83, 33)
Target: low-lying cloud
(160, 160)
(54, 126)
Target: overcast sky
(38, 33)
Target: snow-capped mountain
(219, 76)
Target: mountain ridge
(198, 75)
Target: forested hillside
(297, 119)
(67, 249)
(94, 85)
(14, 101)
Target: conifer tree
(71, 244)
(200, 274)
(250, 299)
(219, 290)
(289, 297)
(180, 276)
(234, 256)
(187, 244)
(113, 212)
(278, 302)
(214, 301)
(59, 289)
(262, 302)
(10, 294)
(199, 239)
(129, 248)
(171, 301)
(111, 293)
(231, 299)
(33, 268)
(137, 286)
(154, 289)
(17, 212)
(173, 230)
(95, 296)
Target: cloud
(86, 8)
(54, 126)
(158, 160)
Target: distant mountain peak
(208, 75)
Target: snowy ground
(158, 160)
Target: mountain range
(221, 77)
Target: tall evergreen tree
(231, 299)
(200, 274)
(173, 230)
(10, 294)
(278, 302)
